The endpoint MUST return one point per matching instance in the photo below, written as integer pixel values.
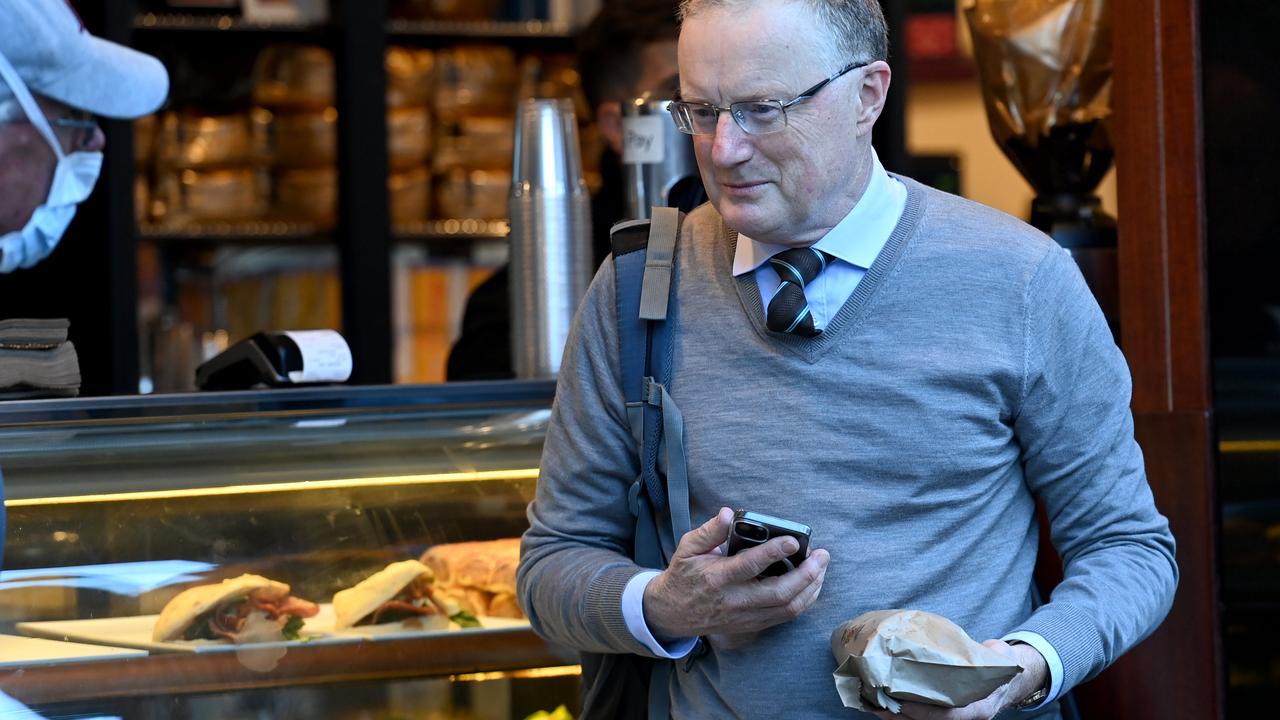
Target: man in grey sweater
(905, 371)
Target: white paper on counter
(13, 710)
(326, 357)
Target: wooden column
(1178, 671)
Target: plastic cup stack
(550, 217)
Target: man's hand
(1034, 675)
(705, 592)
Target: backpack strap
(644, 257)
(644, 254)
(659, 258)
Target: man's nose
(731, 145)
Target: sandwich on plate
(479, 576)
(246, 609)
(402, 593)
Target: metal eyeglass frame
(11, 112)
(681, 110)
(77, 120)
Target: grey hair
(858, 29)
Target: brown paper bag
(887, 656)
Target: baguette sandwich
(246, 609)
(479, 576)
(402, 592)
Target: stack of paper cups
(550, 215)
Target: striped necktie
(788, 308)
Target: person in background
(54, 78)
(904, 371)
(627, 49)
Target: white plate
(135, 632)
(396, 631)
(16, 651)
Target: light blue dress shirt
(855, 242)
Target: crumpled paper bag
(887, 656)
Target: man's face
(792, 186)
(27, 163)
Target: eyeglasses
(755, 117)
(81, 127)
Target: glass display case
(115, 506)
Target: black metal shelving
(256, 232)
(464, 229)
(217, 23)
(496, 30)
(267, 232)
(396, 29)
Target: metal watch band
(1030, 700)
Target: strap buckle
(633, 498)
(652, 391)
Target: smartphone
(751, 528)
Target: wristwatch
(1034, 698)
(1031, 700)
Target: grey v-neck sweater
(970, 373)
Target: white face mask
(73, 180)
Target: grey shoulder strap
(663, 228)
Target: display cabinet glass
(114, 506)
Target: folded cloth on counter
(33, 334)
(37, 360)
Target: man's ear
(873, 91)
(609, 120)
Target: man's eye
(758, 110)
(702, 112)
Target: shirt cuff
(633, 614)
(1050, 657)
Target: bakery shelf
(170, 674)
(515, 30)
(479, 30)
(216, 23)
(250, 232)
(256, 232)
(452, 229)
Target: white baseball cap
(56, 57)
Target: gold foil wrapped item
(1045, 67)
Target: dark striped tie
(788, 309)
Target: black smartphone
(751, 528)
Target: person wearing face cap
(55, 77)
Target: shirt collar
(857, 239)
